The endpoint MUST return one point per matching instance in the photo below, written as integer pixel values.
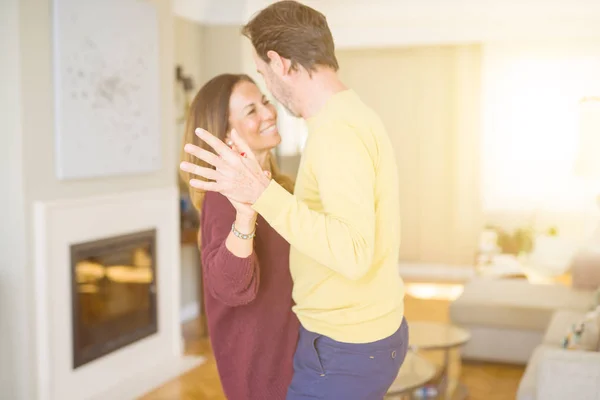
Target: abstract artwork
(107, 88)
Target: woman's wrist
(245, 223)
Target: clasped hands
(236, 174)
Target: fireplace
(113, 295)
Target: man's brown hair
(296, 32)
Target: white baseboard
(189, 312)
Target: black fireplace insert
(113, 294)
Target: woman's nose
(268, 112)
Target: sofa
(514, 321)
(557, 373)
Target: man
(343, 221)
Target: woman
(247, 282)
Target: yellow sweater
(343, 224)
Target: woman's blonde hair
(210, 111)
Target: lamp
(588, 157)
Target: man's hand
(243, 210)
(238, 177)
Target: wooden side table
(189, 236)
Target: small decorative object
(585, 334)
(187, 213)
(573, 338)
(519, 242)
(488, 246)
(524, 240)
(186, 86)
(426, 392)
(107, 88)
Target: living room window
(532, 107)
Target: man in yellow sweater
(343, 220)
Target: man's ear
(281, 66)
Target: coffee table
(415, 373)
(445, 337)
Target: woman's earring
(230, 143)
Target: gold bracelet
(242, 235)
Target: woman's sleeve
(228, 278)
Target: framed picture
(107, 88)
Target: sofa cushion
(568, 375)
(555, 373)
(515, 303)
(585, 269)
(527, 386)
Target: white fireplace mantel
(134, 369)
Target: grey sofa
(514, 321)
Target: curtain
(429, 100)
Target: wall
(28, 157)
(204, 51)
(189, 53)
(14, 295)
(428, 98)
(189, 47)
(222, 50)
(38, 117)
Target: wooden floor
(485, 381)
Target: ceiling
(392, 22)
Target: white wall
(204, 51)
(14, 276)
(27, 172)
(189, 53)
(221, 50)
(38, 117)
